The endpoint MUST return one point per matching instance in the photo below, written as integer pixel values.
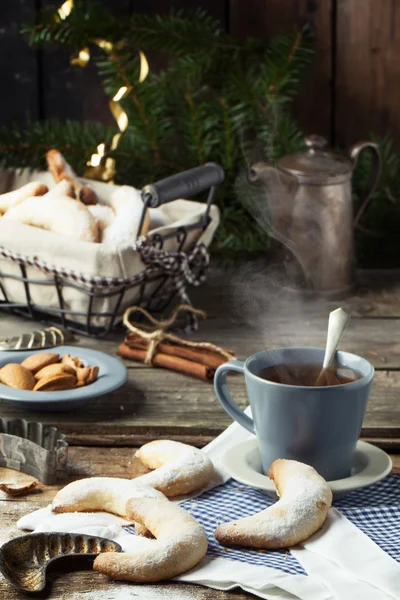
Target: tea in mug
(306, 374)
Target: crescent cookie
(62, 171)
(58, 166)
(59, 214)
(301, 510)
(179, 468)
(10, 199)
(109, 494)
(128, 207)
(180, 543)
(103, 215)
(64, 188)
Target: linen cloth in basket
(69, 256)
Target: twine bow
(181, 268)
(160, 334)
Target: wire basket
(163, 279)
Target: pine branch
(25, 146)
(86, 22)
(286, 60)
(195, 128)
(229, 139)
(180, 33)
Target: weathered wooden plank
(94, 462)
(91, 462)
(257, 320)
(258, 18)
(390, 445)
(378, 340)
(376, 293)
(172, 404)
(118, 439)
(18, 65)
(222, 296)
(368, 69)
(89, 585)
(82, 462)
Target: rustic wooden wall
(352, 88)
(367, 80)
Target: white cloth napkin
(342, 563)
(353, 566)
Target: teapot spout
(260, 171)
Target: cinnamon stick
(166, 361)
(203, 356)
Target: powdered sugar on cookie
(180, 543)
(100, 493)
(305, 499)
(179, 468)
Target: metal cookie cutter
(37, 340)
(24, 560)
(33, 448)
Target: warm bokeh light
(120, 94)
(144, 67)
(65, 9)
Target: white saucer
(370, 464)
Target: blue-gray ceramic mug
(318, 426)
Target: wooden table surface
(246, 312)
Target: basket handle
(182, 185)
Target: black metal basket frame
(81, 322)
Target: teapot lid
(317, 165)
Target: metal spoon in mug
(338, 321)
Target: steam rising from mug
(279, 315)
(270, 195)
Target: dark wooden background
(352, 89)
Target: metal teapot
(310, 210)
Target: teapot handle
(355, 152)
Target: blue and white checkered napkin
(375, 510)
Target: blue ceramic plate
(112, 374)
